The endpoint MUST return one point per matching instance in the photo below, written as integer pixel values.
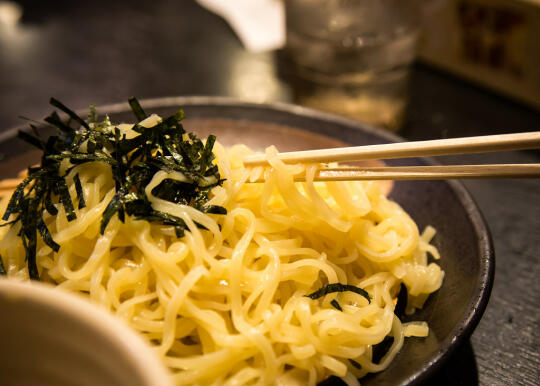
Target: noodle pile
(226, 304)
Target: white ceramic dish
(52, 338)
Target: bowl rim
(478, 302)
(82, 311)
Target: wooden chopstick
(488, 143)
(357, 173)
(423, 172)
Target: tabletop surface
(101, 52)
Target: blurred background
(101, 51)
(424, 69)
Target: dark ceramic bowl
(462, 235)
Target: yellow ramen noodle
(226, 304)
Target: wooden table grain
(101, 52)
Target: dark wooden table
(101, 52)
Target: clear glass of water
(352, 57)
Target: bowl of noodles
(237, 282)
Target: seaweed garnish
(79, 190)
(379, 350)
(133, 161)
(338, 287)
(336, 305)
(401, 304)
(2, 268)
(355, 364)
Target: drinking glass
(352, 57)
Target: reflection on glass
(16, 39)
(253, 78)
(10, 13)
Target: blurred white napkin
(259, 24)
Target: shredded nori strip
(380, 349)
(65, 199)
(134, 161)
(338, 287)
(79, 189)
(336, 305)
(33, 140)
(46, 236)
(2, 268)
(401, 304)
(72, 115)
(355, 364)
(136, 108)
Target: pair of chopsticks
(489, 143)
